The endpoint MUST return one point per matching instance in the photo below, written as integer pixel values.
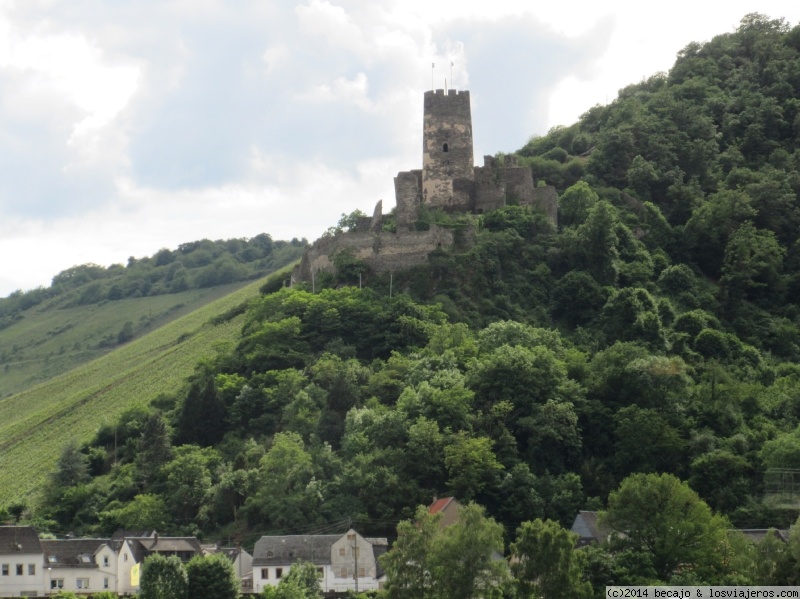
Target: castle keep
(448, 181)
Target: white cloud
(126, 127)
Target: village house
(446, 506)
(79, 565)
(33, 567)
(344, 562)
(21, 562)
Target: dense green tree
(575, 203)
(751, 267)
(72, 467)
(458, 561)
(545, 563)
(189, 480)
(143, 512)
(661, 516)
(154, 449)
(163, 578)
(212, 577)
(471, 465)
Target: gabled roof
(756, 535)
(142, 547)
(158, 544)
(19, 539)
(379, 547)
(440, 505)
(233, 552)
(120, 535)
(587, 529)
(72, 553)
(277, 551)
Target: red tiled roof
(439, 505)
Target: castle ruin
(448, 181)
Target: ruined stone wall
(408, 196)
(519, 184)
(384, 252)
(490, 193)
(546, 200)
(447, 153)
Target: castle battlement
(448, 180)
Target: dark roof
(19, 539)
(120, 535)
(233, 552)
(585, 526)
(378, 549)
(757, 535)
(72, 553)
(168, 544)
(276, 551)
(145, 546)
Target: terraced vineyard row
(35, 424)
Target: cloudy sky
(126, 127)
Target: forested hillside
(89, 310)
(540, 372)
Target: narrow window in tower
(444, 148)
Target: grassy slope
(35, 424)
(50, 340)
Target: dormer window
(51, 559)
(86, 559)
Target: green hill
(36, 423)
(89, 310)
(540, 371)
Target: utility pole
(355, 558)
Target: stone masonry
(448, 181)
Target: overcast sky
(126, 127)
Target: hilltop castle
(448, 181)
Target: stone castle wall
(382, 252)
(408, 195)
(448, 180)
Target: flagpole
(433, 65)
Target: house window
(57, 583)
(82, 583)
(351, 537)
(342, 551)
(320, 572)
(105, 561)
(264, 573)
(445, 148)
(278, 572)
(362, 573)
(19, 569)
(343, 573)
(105, 583)
(125, 558)
(5, 569)
(31, 569)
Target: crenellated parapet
(448, 180)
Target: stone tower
(447, 160)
